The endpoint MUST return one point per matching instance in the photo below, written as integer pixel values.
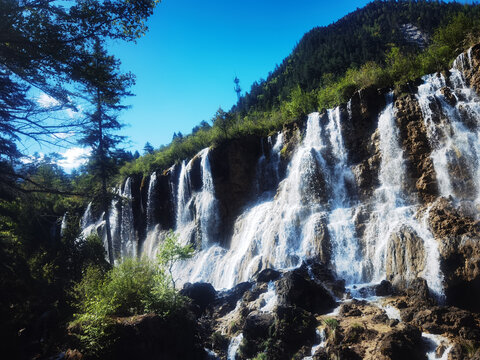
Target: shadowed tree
(105, 87)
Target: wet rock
(472, 73)
(459, 248)
(385, 288)
(203, 294)
(352, 308)
(319, 271)
(393, 322)
(293, 289)
(254, 293)
(258, 324)
(418, 294)
(361, 138)
(449, 320)
(294, 328)
(413, 134)
(233, 165)
(405, 256)
(268, 275)
(403, 344)
(226, 301)
(449, 96)
(380, 318)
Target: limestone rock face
(361, 138)
(413, 135)
(471, 72)
(233, 165)
(405, 256)
(459, 245)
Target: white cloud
(46, 101)
(63, 135)
(74, 157)
(71, 158)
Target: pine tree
(105, 88)
(148, 148)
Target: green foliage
(261, 356)
(357, 326)
(331, 323)
(171, 252)
(133, 287)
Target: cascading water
(127, 232)
(394, 216)
(151, 200)
(280, 231)
(197, 215)
(451, 114)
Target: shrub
(133, 287)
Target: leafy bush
(133, 287)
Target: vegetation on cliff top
(365, 48)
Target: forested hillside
(368, 47)
(362, 36)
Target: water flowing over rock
(385, 187)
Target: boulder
(267, 275)
(293, 289)
(203, 294)
(385, 288)
(449, 320)
(403, 344)
(418, 294)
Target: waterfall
(197, 214)
(151, 200)
(394, 217)
(309, 206)
(127, 232)
(280, 231)
(451, 114)
(206, 202)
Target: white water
(322, 338)
(197, 216)
(453, 132)
(127, 232)
(233, 347)
(270, 298)
(433, 342)
(151, 200)
(395, 211)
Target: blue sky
(186, 63)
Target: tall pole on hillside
(237, 88)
